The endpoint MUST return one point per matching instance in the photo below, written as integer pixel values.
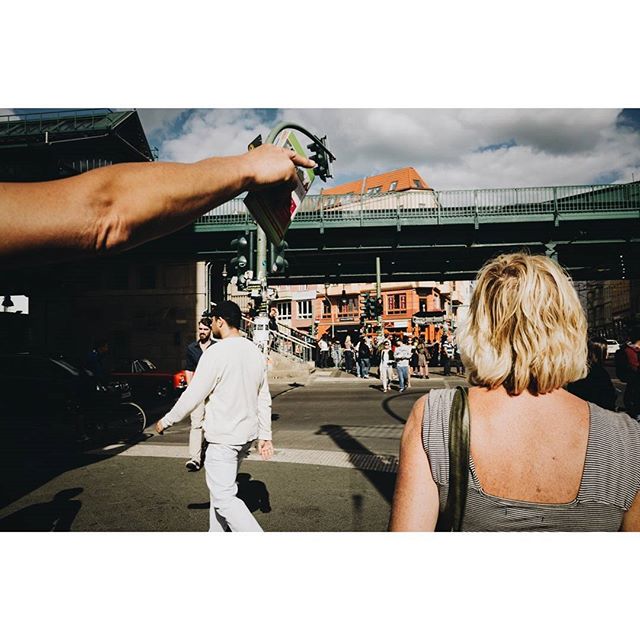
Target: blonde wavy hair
(526, 329)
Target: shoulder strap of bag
(451, 518)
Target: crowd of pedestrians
(397, 358)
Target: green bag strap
(451, 518)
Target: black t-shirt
(194, 353)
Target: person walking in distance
(348, 355)
(273, 328)
(386, 363)
(403, 355)
(323, 354)
(446, 354)
(364, 356)
(423, 359)
(194, 352)
(231, 378)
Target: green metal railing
(449, 207)
(53, 121)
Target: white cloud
(552, 146)
(213, 132)
(154, 120)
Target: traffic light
(279, 263)
(322, 157)
(378, 307)
(240, 261)
(371, 314)
(364, 308)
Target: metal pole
(261, 264)
(379, 293)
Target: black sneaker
(192, 465)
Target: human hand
(265, 449)
(159, 427)
(268, 165)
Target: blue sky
(450, 148)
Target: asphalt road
(336, 439)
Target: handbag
(450, 518)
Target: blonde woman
(540, 458)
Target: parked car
(48, 401)
(612, 347)
(148, 383)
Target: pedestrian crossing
(341, 459)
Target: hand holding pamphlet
(274, 209)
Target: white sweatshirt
(231, 377)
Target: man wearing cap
(231, 378)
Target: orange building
(403, 179)
(409, 309)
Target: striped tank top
(609, 484)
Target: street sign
(273, 209)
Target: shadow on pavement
(57, 515)
(387, 402)
(383, 482)
(253, 493)
(33, 453)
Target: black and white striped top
(609, 484)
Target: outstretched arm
(415, 502)
(115, 208)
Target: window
(417, 184)
(326, 309)
(393, 186)
(348, 312)
(350, 307)
(284, 310)
(305, 309)
(374, 191)
(396, 303)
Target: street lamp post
(225, 282)
(326, 295)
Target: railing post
(476, 223)
(556, 221)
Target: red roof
(405, 178)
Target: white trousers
(386, 372)
(195, 434)
(221, 465)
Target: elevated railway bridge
(593, 230)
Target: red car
(145, 380)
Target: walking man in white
(231, 378)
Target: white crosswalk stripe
(342, 459)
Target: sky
(450, 148)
